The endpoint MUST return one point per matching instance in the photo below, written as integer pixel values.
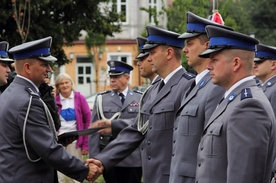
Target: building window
(121, 7)
(153, 4)
(85, 75)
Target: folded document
(77, 133)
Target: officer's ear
(27, 67)
(237, 62)
(206, 44)
(273, 65)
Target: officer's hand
(95, 169)
(103, 122)
(66, 141)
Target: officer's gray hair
(62, 76)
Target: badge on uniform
(202, 84)
(231, 97)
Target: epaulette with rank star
(246, 93)
(104, 92)
(188, 75)
(138, 91)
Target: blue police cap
(118, 67)
(196, 26)
(34, 49)
(220, 38)
(4, 57)
(265, 52)
(158, 36)
(141, 42)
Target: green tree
(94, 43)
(262, 14)
(177, 17)
(63, 20)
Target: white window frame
(91, 88)
(152, 4)
(119, 4)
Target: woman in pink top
(74, 114)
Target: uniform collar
(268, 82)
(36, 88)
(124, 92)
(237, 84)
(168, 77)
(200, 75)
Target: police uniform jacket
(111, 104)
(195, 110)
(119, 124)
(269, 89)
(237, 142)
(156, 147)
(14, 165)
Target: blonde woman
(74, 115)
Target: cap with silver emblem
(118, 68)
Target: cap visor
(49, 58)
(141, 55)
(149, 46)
(115, 73)
(188, 35)
(6, 60)
(256, 59)
(206, 53)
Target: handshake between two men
(95, 169)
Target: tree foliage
(246, 16)
(94, 43)
(63, 20)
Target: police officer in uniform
(5, 62)
(155, 122)
(198, 105)
(29, 151)
(144, 71)
(237, 142)
(265, 71)
(121, 102)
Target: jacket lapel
(128, 99)
(167, 87)
(202, 83)
(116, 99)
(269, 83)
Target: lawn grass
(100, 179)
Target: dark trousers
(123, 175)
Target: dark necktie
(161, 85)
(191, 88)
(122, 97)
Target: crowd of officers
(216, 126)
